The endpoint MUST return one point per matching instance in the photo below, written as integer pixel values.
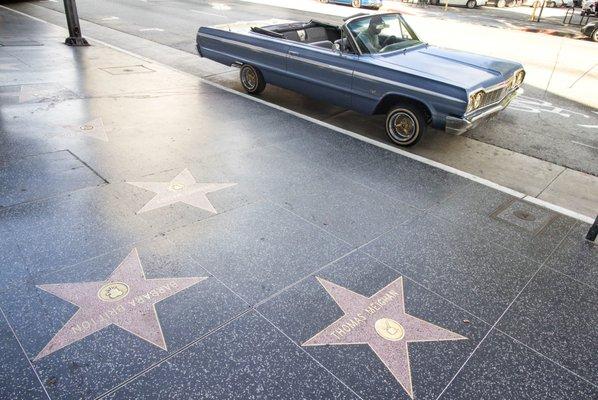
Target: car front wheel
(405, 124)
(595, 35)
(252, 79)
(356, 3)
(471, 4)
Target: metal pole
(72, 20)
(539, 15)
(593, 232)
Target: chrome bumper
(457, 126)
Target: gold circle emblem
(389, 329)
(87, 127)
(113, 291)
(176, 186)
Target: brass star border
(379, 321)
(126, 299)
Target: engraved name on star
(125, 299)
(380, 321)
(182, 189)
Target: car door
(322, 73)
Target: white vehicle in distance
(463, 3)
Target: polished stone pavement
(161, 238)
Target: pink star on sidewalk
(379, 321)
(126, 299)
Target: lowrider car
(373, 64)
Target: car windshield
(382, 33)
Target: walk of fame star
(380, 321)
(93, 129)
(183, 188)
(126, 299)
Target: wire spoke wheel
(403, 126)
(252, 79)
(249, 78)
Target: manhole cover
(524, 216)
(129, 69)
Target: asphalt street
(556, 121)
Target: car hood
(466, 70)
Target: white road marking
(151, 30)
(447, 168)
(112, 18)
(208, 13)
(586, 145)
(588, 126)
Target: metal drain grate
(524, 216)
(132, 69)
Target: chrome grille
(494, 96)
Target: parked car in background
(375, 4)
(591, 30)
(589, 7)
(373, 64)
(464, 3)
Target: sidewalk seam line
(309, 355)
(504, 312)
(170, 356)
(24, 352)
(551, 182)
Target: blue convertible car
(373, 64)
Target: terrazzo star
(126, 299)
(380, 321)
(183, 188)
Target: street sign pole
(72, 20)
(593, 232)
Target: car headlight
(475, 100)
(519, 77)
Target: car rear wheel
(405, 124)
(471, 4)
(356, 3)
(595, 35)
(501, 3)
(252, 79)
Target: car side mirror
(337, 48)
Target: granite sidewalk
(162, 238)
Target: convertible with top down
(373, 64)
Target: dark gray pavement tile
(258, 249)
(557, 317)
(42, 176)
(502, 368)
(465, 268)
(246, 359)
(17, 379)
(102, 360)
(269, 173)
(306, 309)
(348, 210)
(66, 230)
(473, 207)
(577, 257)
(332, 150)
(417, 184)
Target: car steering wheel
(389, 40)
